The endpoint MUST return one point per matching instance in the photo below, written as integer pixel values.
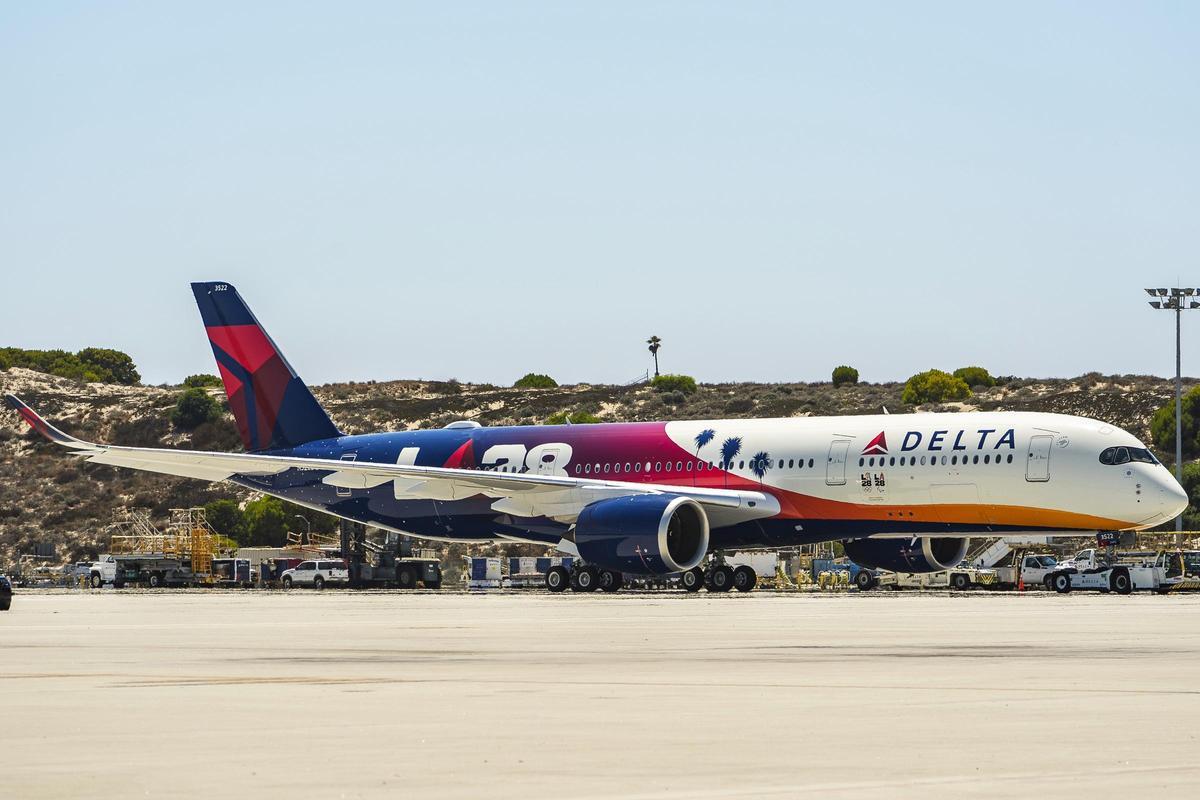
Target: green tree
(975, 376)
(1191, 485)
(267, 522)
(934, 386)
(843, 375)
(535, 380)
(228, 520)
(115, 366)
(1162, 426)
(202, 381)
(193, 408)
(674, 383)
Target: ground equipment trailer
(961, 578)
(1094, 570)
(388, 561)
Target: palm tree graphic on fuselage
(704, 437)
(760, 464)
(731, 447)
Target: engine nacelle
(643, 534)
(925, 554)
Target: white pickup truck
(1030, 569)
(317, 574)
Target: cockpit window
(1123, 455)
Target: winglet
(45, 428)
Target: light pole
(307, 525)
(1176, 299)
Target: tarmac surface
(436, 695)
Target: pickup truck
(1030, 569)
(317, 574)
(150, 570)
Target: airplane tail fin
(272, 406)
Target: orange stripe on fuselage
(794, 505)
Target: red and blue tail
(272, 406)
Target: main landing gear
(720, 577)
(583, 578)
(717, 577)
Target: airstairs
(992, 551)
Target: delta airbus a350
(903, 492)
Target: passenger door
(1037, 465)
(835, 468)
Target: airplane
(903, 492)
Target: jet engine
(921, 554)
(643, 534)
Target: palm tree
(761, 463)
(730, 448)
(654, 343)
(704, 437)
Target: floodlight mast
(1177, 300)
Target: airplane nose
(1174, 498)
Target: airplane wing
(558, 497)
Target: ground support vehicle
(5, 593)
(232, 572)
(1124, 573)
(960, 578)
(1027, 569)
(151, 570)
(387, 562)
(1182, 569)
(317, 574)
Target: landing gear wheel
(406, 578)
(745, 578)
(585, 579)
(720, 578)
(693, 579)
(558, 579)
(960, 581)
(319, 583)
(1120, 582)
(611, 580)
(287, 581)
(97, 581)
(1061, 582)
(865, 580)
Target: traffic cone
(1020, 582)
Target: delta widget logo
(877, 446)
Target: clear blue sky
(480, 190)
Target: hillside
(46, 496)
